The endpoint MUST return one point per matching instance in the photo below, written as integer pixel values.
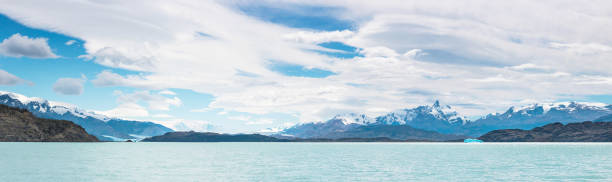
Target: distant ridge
(192, 136)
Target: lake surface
(305, 162)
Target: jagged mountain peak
(436, 111)
(436, 104)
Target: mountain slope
(103, 127)
(19, 125)
(555, 132)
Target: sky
(247, 66)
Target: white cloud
(162, 116)
(154, 101)
(582, 49)
(111, 57)
(240, 118)
(167, 92)
(414, 53)
(69, 86)
(126, 110)
(495, 79)
(270, 130)
(319, 37)
(70, 42)
(530, 67)
(107, 78)
(379, 51)
(262, 121)
(24, 46)
(206, 109)
(7, 78)
(189, 125)
(129, 105)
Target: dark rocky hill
(556, 132)
(19, 125)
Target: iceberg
(471, 140)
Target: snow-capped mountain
(533, 115)
(445, 120)
(105, 128)
(422, 113)
(552, 108)
(360, 126)
(339, 123)
(43, 106)
(420, 120)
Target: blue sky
(245, 66)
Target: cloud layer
(9, 79)
(69, 86)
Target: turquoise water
(305, 162)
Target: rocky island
(191, 136)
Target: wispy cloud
(69, 86)
(7, 78)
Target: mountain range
(103, 127)
(437, 122)
(434, 122)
